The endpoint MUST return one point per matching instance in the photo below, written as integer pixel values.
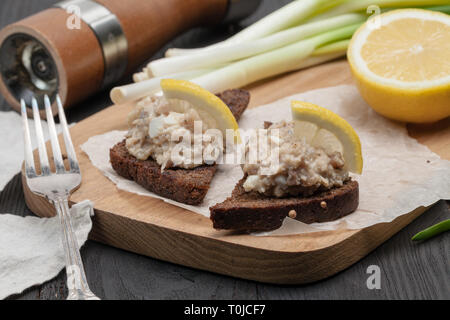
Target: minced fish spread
(301, 169)
(165, 130)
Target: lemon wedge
(323, 128)
(401, 63)
(209, 106)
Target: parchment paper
(399, 173)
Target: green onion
(271, 63)
(300, 34)
(314, 60)
(232, 52)
(287, 16)
(358, 5)
(432, 231)
(300, 11)
(339, 46)
(134, 91)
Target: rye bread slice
(183, 185)
(252, 212)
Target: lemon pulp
(402, 66)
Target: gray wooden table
(408, 270)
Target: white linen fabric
(31, 250)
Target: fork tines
(57, 155)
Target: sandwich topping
(300, 169)
(166, 129)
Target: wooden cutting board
(151, 227)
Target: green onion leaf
(432, 231)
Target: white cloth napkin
(31, 251)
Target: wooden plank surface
(409, 270)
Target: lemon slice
(401, 63)
(323, 128)
(206, 103)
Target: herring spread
(165, 130)
(301, 169)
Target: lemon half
(206, 103)
(323, 128)
(401, 63)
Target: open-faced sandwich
(305, 174)
(160, 125)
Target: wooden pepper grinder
(79, 47)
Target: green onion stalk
(300, 11)
(232, 52)
(363, 5)
(432, 231)
(289, 15)
(301, 34)
(135, 91)
(145, 87)
(289, 58)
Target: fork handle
(76, 277)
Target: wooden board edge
(232, 259)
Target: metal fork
(57, 187)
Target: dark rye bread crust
(251, 211)
(183, 185)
